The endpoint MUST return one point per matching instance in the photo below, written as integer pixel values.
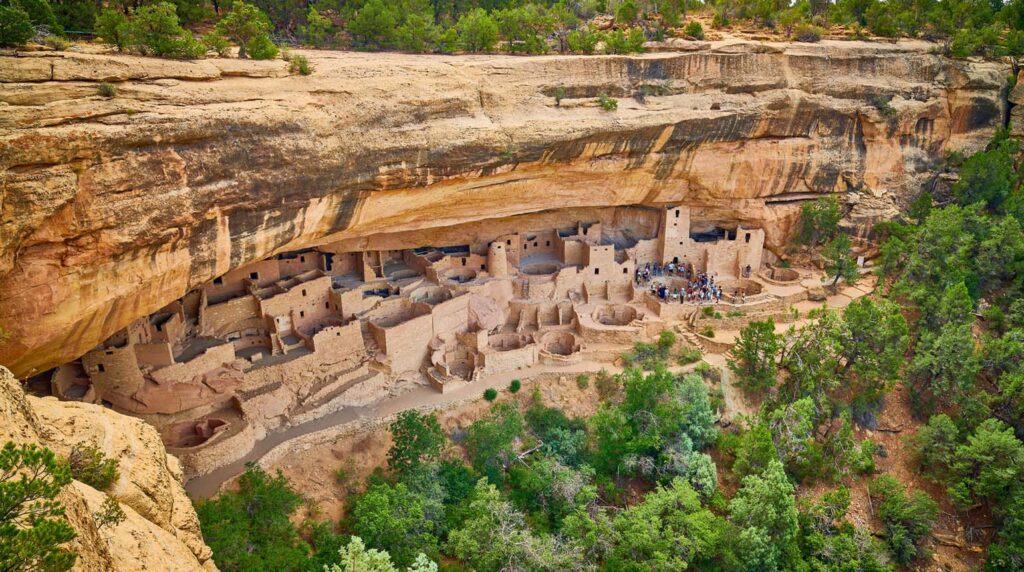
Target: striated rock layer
(160, 531)
(111, 208)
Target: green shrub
(559, 95)
(417, 440)
(112, 27)
(262, 48)
(616, 42)
(15, 26)
(694, 30)
(515, 386)
(89, 465)
(583, 41)
(907, 520)
(318, 27)
(110, 514)
(477, 31)
(56, 43)
(418, 34)
(707, 332)
(583, 381)
(626, 12)
(735, 314)
(300, 65)
(32, 524)
(216, 42)
(248, 27)
(490, 394)
(708, 311)
(608, 385)
(689, 355)
(250, 528)
(154, 30)
(607, 103)
(808, 33)
(106, 89)
(881, 103)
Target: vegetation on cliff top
(963, 28)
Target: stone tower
(497, 260)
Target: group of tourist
(700, 287)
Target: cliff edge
(161, 531)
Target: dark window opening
(303, 291)
(218, 280)
(508, 242)
(677, 213)
(597, 271)
(463, 261)
(302, 259)
(302, 314)
(625, 270)
(100, 368)
(327, 305)
(747, 237)
(535, 244)
(483, 267)
(254, 276)
(547, 243)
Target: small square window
(303, 291)
(597, 271)
(463, 261)
(302, 314)
(625, 270)
(218, 280)
(254, 275)
(327, 305)
(535, 244)
(747, 237)
(302, 259)
(508, 242)
(483, 267)
(100, 368)
(547, 243)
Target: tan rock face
(111, 208)
(161, 531)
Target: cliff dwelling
(305, 333)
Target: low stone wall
(218, 451)
(548, 358)
(496, 361)
(210, 359)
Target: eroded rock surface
(161, 531)
(111, 208)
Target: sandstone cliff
(161, 531)
(112, 208)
